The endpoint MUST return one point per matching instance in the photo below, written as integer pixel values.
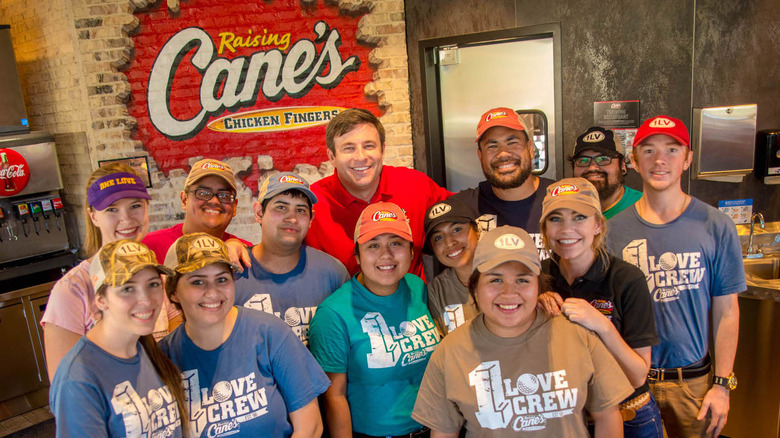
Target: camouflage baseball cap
(191, 252)
(117, 262)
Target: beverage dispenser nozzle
(23, 212)
(58, 211)
(35, 212)
(47, 210)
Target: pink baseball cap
(506, 117)
(663, 125)
(381, 218)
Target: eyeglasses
(601, 161)
(206, 195)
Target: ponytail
(170, 375)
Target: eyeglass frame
(212, 195)
(575, 160)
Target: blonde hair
(599, 245)
(93, 239)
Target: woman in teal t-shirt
(374, 335)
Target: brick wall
(72, 54)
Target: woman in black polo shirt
(601, 292)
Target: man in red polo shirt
(356, 145)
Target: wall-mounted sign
(245, 79)
(616, 114)
(14, 172)
(139, 164)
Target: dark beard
(517, 181)
(605, 189)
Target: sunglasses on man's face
(601, 161)
(206, 195)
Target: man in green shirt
(597, 159)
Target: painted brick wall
(72, 54)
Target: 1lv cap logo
(594, 137)
(130, 248)
(509, 241)
(662, 122)
(439, 210)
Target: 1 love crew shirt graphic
(250, 383)
(383, 344)
(94, 393)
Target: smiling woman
(515, 369)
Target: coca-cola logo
(384, 215)
(495, 115)
(564, 189)
(14, 172)
(254, 80)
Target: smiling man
(209, 203)
(286, 278)
(691, 257)
(511, 194)
(356, 145)
(596, 158)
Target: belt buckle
(655, 374)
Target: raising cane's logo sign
(223, 79)
(14, 172)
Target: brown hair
(346, 121)
(168, 372)
(94, 240)
(599, 245)
(543, 279)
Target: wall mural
(245, 79)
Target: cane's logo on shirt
(220, 410)
(604, 306)
(524, 404)
(662, 122)
(593, 137)
(153, 416)
(667, 275)
(298, 318)
(565, 189)
(412, 342)
(438, 210)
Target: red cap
(381, 218)
(506, 117)
(663, 125)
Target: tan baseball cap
(117, 262)
(191, 252)
(208, 167)
(577, 194)
(506, 244)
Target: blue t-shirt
(293, 296)
(95, 393)
(383, 345)
(250, 383)
(686, 262)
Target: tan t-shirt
(540, 381)
(450, 302)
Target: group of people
(540, 320)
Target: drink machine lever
(47, 210)
(58, 211)
(23, 212)
(37, 211)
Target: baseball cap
(109, 188)
(597, 139)
(577, 194)
(663, 125)
(117, 262)
(208, 167)
(506, 244)
(506, 117)
(450, 210)
(191, 252)
(380, 218)
(281, 182)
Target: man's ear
(257, 207)
(331, 155)
(183, 198)
(100, 302)
(688, 159)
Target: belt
(697, 369)
(422, 433)
(628, 408)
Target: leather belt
(628, 408)
(697, 369)
(422, 433)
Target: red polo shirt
(337, 211)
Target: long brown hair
(94, 240)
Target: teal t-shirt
(630, 196)
(383, 345)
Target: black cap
(597, 139)
(451, 210)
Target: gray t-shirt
(450, 302)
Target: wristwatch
(729, 382)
